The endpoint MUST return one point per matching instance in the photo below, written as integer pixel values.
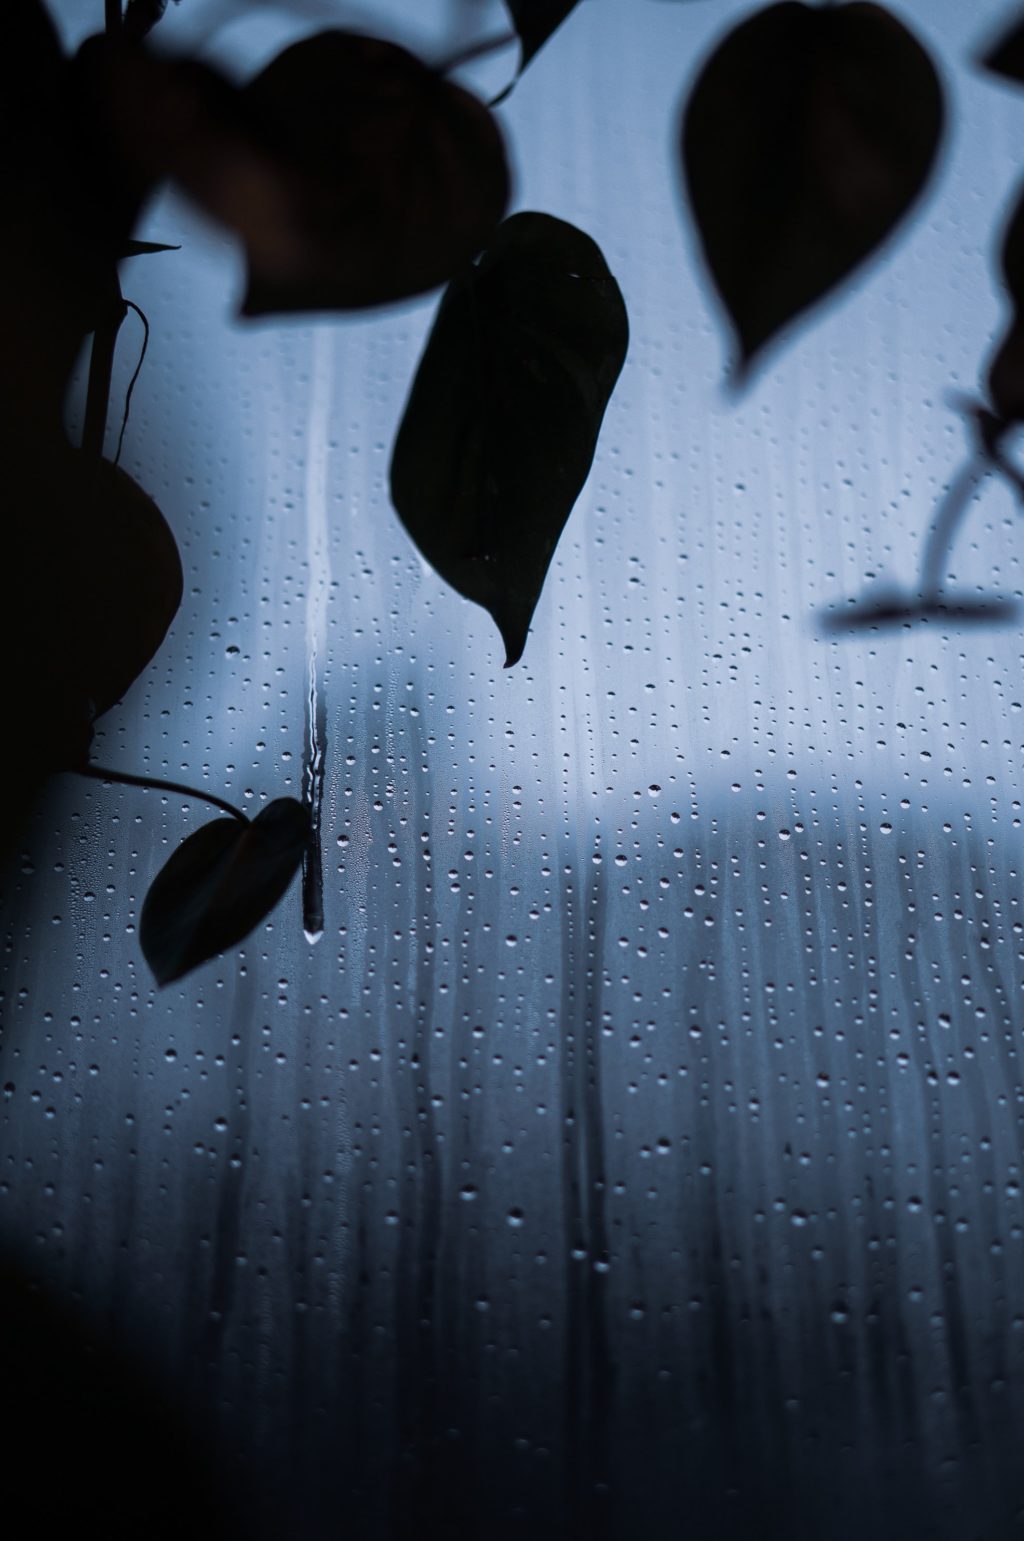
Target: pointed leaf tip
(503, 417)
(535, 21)
(810, 132)
(219, 884)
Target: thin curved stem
(131, 305)
(154, 784)
(478, 50)
(945, 523)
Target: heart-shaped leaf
(810, 132)
(354, 174)
(398, 178)
(1006, 56)
(219, 884)
(503, 417)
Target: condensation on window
(634, 1146)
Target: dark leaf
(219, 884)
(1006, 57)
(535, 20)
(809, 134)
(393, 178)
(1006, 375)
(1011, 253)
(354, 175)
(1006, 369)
(141, 16)
(503, 417)
(90, 580)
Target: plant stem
(478, 50)
(947, 517)
(152, 783)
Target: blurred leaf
(90, 580)
(353, 174)
(503, 417)
(1006, 375)
(1006, 369)
(219, 884)
(396, 178)
(141, 16)
(1011, 253)
(808, 135)
(1006, 57)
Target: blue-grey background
(638, 1151)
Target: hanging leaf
(219, 884)
(808, 136)
(353, 174)
(534, 21)
(502, 420)
(1006, 57)
(399, 176)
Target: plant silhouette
(356, 175)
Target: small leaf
(503, 417)
(1006, 57)
(219, 884)
(808, 135)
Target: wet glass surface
(636, 1150)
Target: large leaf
(90, 580)
(48, 269)
(809, 134)
(353, 173)
(502, 421)
(220, 883)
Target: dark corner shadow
(92, 1446)
(668, 1352)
